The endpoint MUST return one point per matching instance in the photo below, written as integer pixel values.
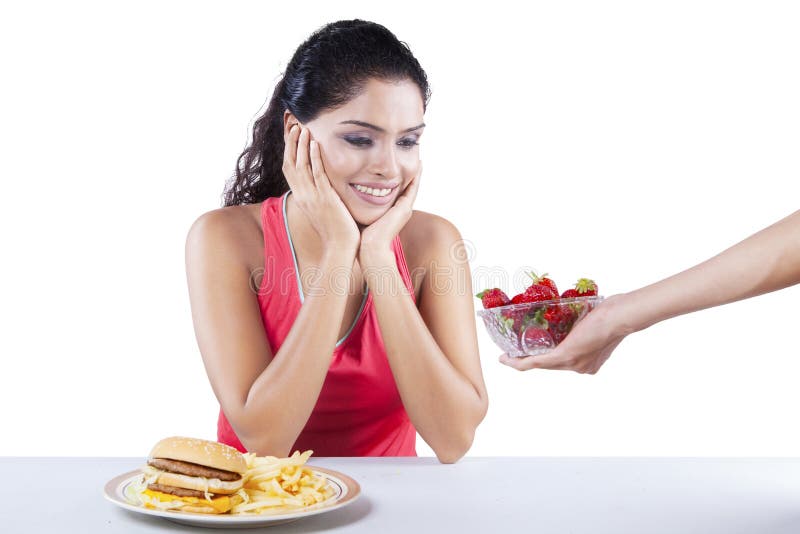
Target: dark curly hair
(329, 69)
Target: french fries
(276, 485)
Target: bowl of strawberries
(538, 319)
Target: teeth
(371, 191)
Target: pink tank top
(359, 411)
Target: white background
(624, 141)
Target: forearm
(442, 404)
(283, 396)
(766, 261)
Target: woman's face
(371, 142)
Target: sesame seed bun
(201, 452)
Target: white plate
(345, 491)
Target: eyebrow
(378, 128)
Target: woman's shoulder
(423, 223)
(426, 236)
(233, 231)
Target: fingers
(554, 360)
(409, 194)
(290, 150)
(413, 185)
(297, 167)
(302, 149)
(290, 155)
(411, 190)
(520, 364)
(526, 363)
(318, 168)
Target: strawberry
(519, 318)
(584, 288)
(534, 339)
(512, 321)
(544, 281)
(559, 321)
(539, 293)
(515, 319)
(492, 298)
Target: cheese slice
(221, 504)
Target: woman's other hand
(377, 237)
(313, 193)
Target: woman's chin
(364, 220)
(366, 217)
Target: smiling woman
(333, 346)
(368, 163)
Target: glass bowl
(533, 328)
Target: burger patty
(193, 470)
(172, 490)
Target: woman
(339, 350)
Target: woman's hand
(377, 237)
(313, 193)
(587, 347)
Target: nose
(385, 163)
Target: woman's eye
(366, 141)
(359, 141)
(408, 143)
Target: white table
(493, 495)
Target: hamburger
(193, 475)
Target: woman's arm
(433, 350)
(766, 261)
(267, 399)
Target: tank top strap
(278, 263)
(271, 224)
(402, 266)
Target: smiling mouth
(375, 192)
(377, 196)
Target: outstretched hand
(585, 349)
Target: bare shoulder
(233, 231)
(427, 236)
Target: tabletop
(476, 494)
